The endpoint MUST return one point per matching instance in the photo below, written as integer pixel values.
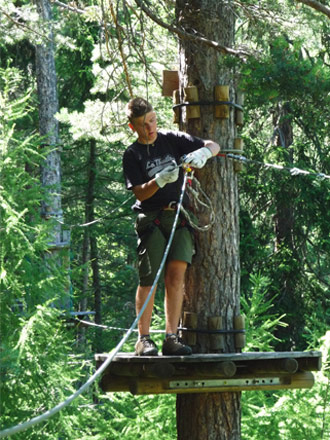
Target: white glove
(198, 158)
(168, 175)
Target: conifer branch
(186, 35)
(20, 24)
(68, 7)
(320, 7)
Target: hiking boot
(145, 347)
(174, 346)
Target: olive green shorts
(152, 241)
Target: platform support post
(190, 321)
(176, 101)
(216, 340)
(191, 95)
(239, 116)
(221, 93)
(239, 324)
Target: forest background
(104, 54)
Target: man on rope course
(152, 172)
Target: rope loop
(198, 203)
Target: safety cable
(293, 171)
(183, 329)
(46, 415)
(108, 327)
(98, 220)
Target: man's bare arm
(212, 146)
(146, 190)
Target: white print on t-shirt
(155, 165)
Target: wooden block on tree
(238, 148)
(239, 116)
(191, 95)
(176, 100)
(239, 324)
(221, 93)
(216, 340)
(170, 82)
(190, 321)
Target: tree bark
(93, 243)
(48, 107)
(213, 289)
(284, 226)
(284, 217)
(317, 6)
(57, 254)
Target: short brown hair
(137, 107)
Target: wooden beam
(157, 369)
(177, 385)
(309, 359)
(215, 369)
(209, 372)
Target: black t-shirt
(142, 162)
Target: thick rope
(195, 193)
(46, 415)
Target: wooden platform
(209, 372)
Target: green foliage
(284, 221)
(294, 414)
(23, 236)
(39, 371)
(283, 72)
(141, 417)
(282, 415)
(42, 370)
(286, 303)
(261, 319)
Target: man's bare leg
(174, 292)
(141, 296)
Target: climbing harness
(199, 200)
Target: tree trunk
(57, 254)
(213, 289)
(85, 258)
(48, 107)
(89, 217)
(93, 243)
(284, 217)
(284, 224)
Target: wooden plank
(164, 369)
(142, 386)
(215, 369)
(310, 364)
(286, 365)
(209, 372)
(312, 356)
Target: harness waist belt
(172, 206)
